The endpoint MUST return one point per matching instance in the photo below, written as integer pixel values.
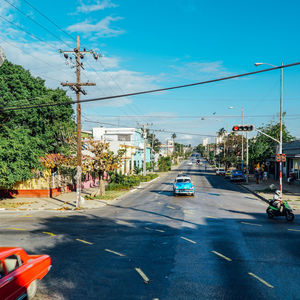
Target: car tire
(31, 290)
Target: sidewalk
(67, 201)
(291, 193)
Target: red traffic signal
(242, 128)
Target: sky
(155, 44)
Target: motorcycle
(274, 211)
(291, 178)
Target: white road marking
(143, 275)
(293, 230)
(253, 224)
(148, 228)
(159, 230)
(221, 255)
(261, 280)
(188, 212)
(191, 241)
(114, 252)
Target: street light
(280, 139)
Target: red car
(20, 272)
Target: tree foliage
(101, 160)
(262, 147)
(28, 134)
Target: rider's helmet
(277, 192)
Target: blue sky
(153, 44)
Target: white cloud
(200, 70)
(99, 5)
(100, 29)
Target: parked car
(20, 273)
(221, 172)
(190, 163)
(183, 186)
(228, 173)
(237, 175)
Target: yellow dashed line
(82, 241)
(210, 217)
(191, 241)
(221, 255)
(143, 275)
(171, 207)
(27, 216)
(293, 230)
(253, 224)
(22, 229)
(114, 252)
(49, 233)
(261, 280)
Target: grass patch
(109, 195)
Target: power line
(156, 130)
(43, 15)
(34, 21)
(154, 90)
(29, 33)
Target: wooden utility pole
(76, 86)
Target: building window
(296, 167)
(124, 137)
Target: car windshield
(183, 180)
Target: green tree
(101, 161)
(28, 134)
(262, 147)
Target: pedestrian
(265, 177)
(260, 175)
(257, 176)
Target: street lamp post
(280, 120)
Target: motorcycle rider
(276, 202)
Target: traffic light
(242, 128)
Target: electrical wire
(29, 33)
(152, 91)
(53, 23)
(34, 21)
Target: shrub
(164, 164)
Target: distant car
(183, 186)
(182, 175)
(237, 175)
(228, 173)
(20, 273)
(190, 163)
(220, 172)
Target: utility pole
(242, 141)
(76, 86)
(280, 139)
(145, 145)
(247, 162)
(152, 151)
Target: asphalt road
(218, 244)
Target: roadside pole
(247, 159)
(280, 140)
(242, 141)
(76, 86)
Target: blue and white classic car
(183, 186)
